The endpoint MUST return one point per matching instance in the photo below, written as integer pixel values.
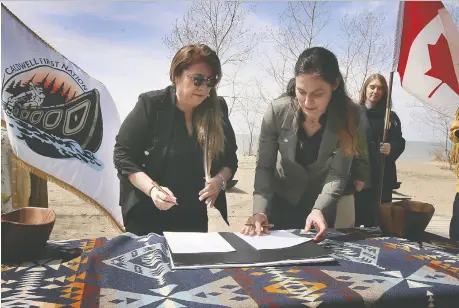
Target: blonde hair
(381, 79)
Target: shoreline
(427, 182)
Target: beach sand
(429, 182)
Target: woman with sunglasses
(163, 139)
(317, 130)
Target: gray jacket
(326, 178)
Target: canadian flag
(427, 53)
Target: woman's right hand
(359, 185)
(161, 200)
(257, 221)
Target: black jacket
(143, 140)
(374, 137)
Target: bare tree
(376, 49)
(279, 71)
(300, 26)
(439, 120)
(350, 46)
(222, 25)
(251, 111)
(365, 49)
(238, 89)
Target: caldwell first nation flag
(427, 54)
(61, 122)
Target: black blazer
(143, 140)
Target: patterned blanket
(131, 271)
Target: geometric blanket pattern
(131, 271)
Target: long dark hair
(342, 111)
(291, 87)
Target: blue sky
(125, 22)
(130, 21)
(120, 43)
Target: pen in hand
(161, 189)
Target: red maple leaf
(442, 65)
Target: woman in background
(163, 138)
(373, 100)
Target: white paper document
(197, 242)
(278, 239)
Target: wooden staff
(382, 156)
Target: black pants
(284, 215)
(143, 219)
(366, 206)
(454, 225)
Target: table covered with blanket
(131, 271)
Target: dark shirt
(184, 176)
(185, 166)
(307, 148)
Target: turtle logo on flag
(53, 112)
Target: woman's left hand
(316, 219)
(211, 190)
(385, 148)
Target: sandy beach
(429, 182)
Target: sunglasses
(198, 80)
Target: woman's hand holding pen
(161, 200)
(211, 190)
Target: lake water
(414, 150)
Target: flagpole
(395, 59)
(384, 139)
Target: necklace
(311, 125)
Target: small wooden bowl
(25, 232)
(406, 219)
